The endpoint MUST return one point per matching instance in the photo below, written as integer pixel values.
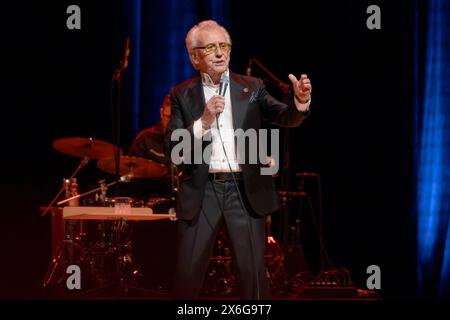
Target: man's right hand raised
(214, 106)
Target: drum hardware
(103, 187)
(162, 205)
(175, 180)
(275, 259)
(104, 253)
(85, 159)
(101, 197)
(135, 166)
(109, 262)
(71, 190)
(79, 147)
(118, 273)
(108, 251)
(220, 279)
(56, 260)
(87, 149)
(84, 148)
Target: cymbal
(78, 147)
(137, 167)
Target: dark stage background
(57, 84)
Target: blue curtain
(432, 146)
(159, 58)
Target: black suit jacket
(251, 105)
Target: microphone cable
(252, 244)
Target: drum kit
(96, 245)
(110, 160)
(104, 153)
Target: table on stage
(61, 215)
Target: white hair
(191, 37)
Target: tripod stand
(103, 251)
(115, 262)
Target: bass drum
(221, 281)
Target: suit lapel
(196, 98)
(238, 101)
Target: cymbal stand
(84, 161)
(175, 181)
(101, 188)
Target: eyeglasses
(212, 47)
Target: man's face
(212, 55)
(165, 113)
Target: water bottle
(73, 190)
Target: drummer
(149, 144)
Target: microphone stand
(284, 210)
(283, 86)
(116, 83)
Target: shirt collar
(207, 81)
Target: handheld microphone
(224, 82)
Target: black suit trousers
(196, 239)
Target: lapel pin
(245, 90)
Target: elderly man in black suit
(221, 185)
